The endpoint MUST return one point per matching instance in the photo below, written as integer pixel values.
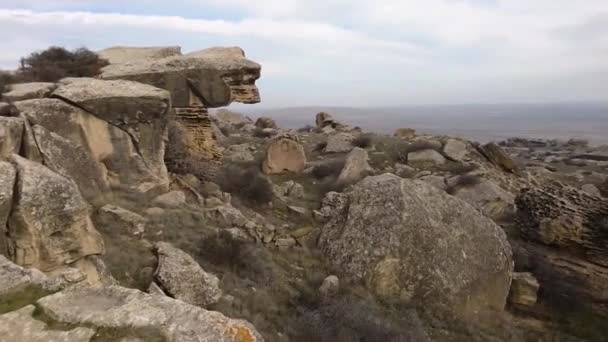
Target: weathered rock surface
(455, 149)
(425, 157)
(49, 225)
(173, 199)
(413, 243)
(489, 198)
(125, 54)
(111, 147)
(230, 119)
(240, 153)
(28, 91)
(212, 77)
(340, 142)
(330, 286)
(497, 156)
(524, 289)
(8, 176)
(591, 190)
(138, 109)
(284, 154)
(11, 134)
(355, 167)
(20, 325)
(121, 220)
(72, 161)
(143, 316)
(183, 278)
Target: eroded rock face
(183, 278)
(410, 242)
(8, 176)
(455, 149)
(121, 220)
(49, 225)
(138, 109)
(284, 154)
(489, 198)
(524, 289)
(28, 91)
(213, 77)
(11, 134)
(144, 316)
(126, 54)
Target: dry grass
(363, 141)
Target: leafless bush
(56, 63)
(249, 184)
(330, 168)
(363, 141)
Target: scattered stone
(144, 316)
(284, 154)
(121, 220)
(28, 91)
(330, 286)
(297, 210)
(455, 149)
(495, 155)
(265, 122)
(405, 133)
(413, 243)
(591, 190)
(171, 199)
(339, 143)
(355, 167)
(405, 171)
(227, 216)
(524, 289)
(425, 157)
(286, 242)
(183, 278)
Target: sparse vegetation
(327, 169)
(56, 63)
(363, 141)
(6, 78)
(248, 184)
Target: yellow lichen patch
(241, 333)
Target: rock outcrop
(339, 143)
(183, 278)
(425, 157)
(28, 91)
(413, 243)
(284, 154)
(524, 289)
(497, 156)
(127, 54)
(11, 135)
(455, 149)
(355, 167)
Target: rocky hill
(129, 213)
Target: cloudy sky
(353, 52)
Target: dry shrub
(306, 129)
(249, 184)
(261, 133)
(327, 169)
(6, 78)
(56, 63)
(363, 141)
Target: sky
(352, 52)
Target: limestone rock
(171, 199)
(240, 153)
(120, 220)
(340, 142)
(28, 91)
(73, 162)
(591, 190)
(405, 133)
(413, 243)
(330, 286)
(183, 278)
(487, 197)
(524, 289)
(138, 109)
(11, 135)
(289, 189)
(355, 167)
(49, 226)
(8, 176)
(126, 54)
(436, 181)
(265, 122)
(497, 156)
(111, 147)
(455, 149)
(284, 154)
(20, 325)
(425, 157)
(144, 316)
(212, 77)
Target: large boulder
(265, 122)
(116, 155)
(49, 225)
(8, 176)
(28, 91)
(355, 167)
(213, 77)
(455, 149)
(140, 110)
(183, 278)
(338, 143)
(497, 156)
(11, 135)
(120, 220)
(126, 54)
(488, 197)
(143, 317)
(425, 157)
(284, 154)
(413, 243)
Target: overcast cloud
(353, 52)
